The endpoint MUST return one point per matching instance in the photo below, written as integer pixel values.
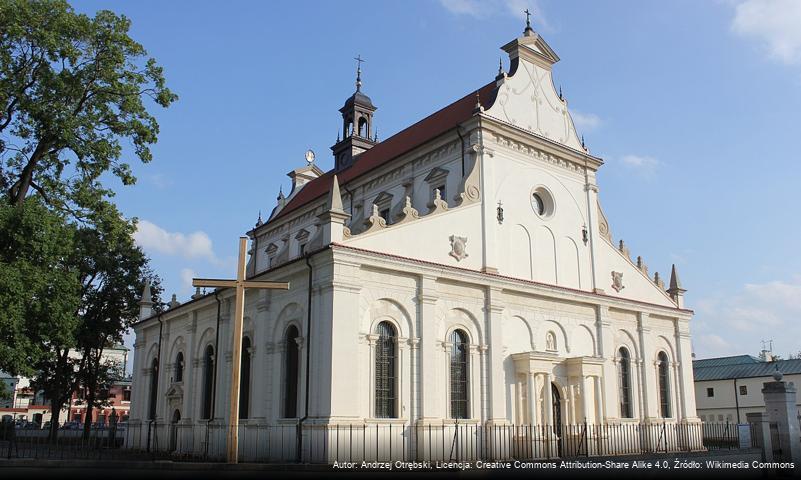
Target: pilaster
(189, 368)
(648, 385)
(336, 340)
(593, 232)
(685, 369)
(493, 317)
(431, 386)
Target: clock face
(310, 156)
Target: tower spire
(359, 62)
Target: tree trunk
(90, 385)
(20, 189)
(87, 421)
(55, 413)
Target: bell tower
(358, 134)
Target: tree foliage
(71, 88)
(39, 286)
(112, 269)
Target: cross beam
(240, 284)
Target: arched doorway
(176, 417)
(557, 417)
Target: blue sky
(694, 106)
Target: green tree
(39, 288)
(112, 274)
(71, 88)
(39, 299)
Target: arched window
(459, 375)
(625, 383)
(208, 382)
(385, 388)
(291, 363)
(154, 387)
(664, 385)
(244, 379)
(363, 127)
(179, 367)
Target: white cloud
(585, 121)
(193, 245)
(776, 23)
(187, 274)
(159, 180)
(639, 161)
(715, 346)
(735, 324)
(515, 8)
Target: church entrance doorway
(557, 417)
(176, 417)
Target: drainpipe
(254, 257)
(350, 194)
(157, 373)
(308, 356)
(461, 140)
(216, 358)
(736, 401)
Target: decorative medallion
(617, 281)
(458, 247)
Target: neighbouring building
(116, 402)
(29, 405)
(458, 273)
(729, 388)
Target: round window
(537, 203)
(542, 202)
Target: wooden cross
(240, 284)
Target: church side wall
(425, 304)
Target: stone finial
(335, 198)
(174, 301)
(478, 108)
(375, 221)
(281, 197)
(675, 291)
(408, 213)
(146, 302)
(777, 374)
(147, 296)
(259, 221)
(197, 293)
(675, 283)
(658, 281)
(623, 249)
(641, 265)
(437, 205)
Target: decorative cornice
(538, 154)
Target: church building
(453, 281)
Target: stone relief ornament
(550, 342)
(617, 281)
(458, 247)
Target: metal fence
(325, 444)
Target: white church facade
(459, 274)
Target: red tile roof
(426, 129)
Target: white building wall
(722, 406)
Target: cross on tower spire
(359, 62)
(528, 29)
